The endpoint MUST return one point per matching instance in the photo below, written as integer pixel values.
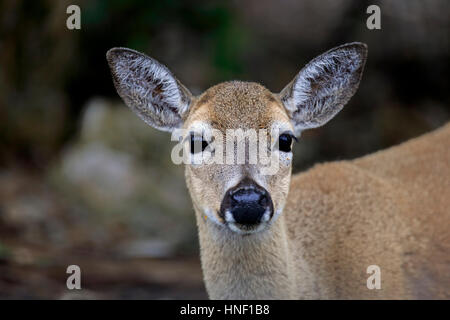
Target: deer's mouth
(248, 228)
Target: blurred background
(83, 181)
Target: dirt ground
(37, 273)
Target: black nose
(246, 203)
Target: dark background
(83, 181)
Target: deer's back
(390, 209)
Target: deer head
(238, 196)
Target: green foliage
(215, 22)
(5, 252)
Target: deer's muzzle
(246, 205)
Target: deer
(314, 234)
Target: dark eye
(285, 142)
(198, 144)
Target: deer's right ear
(149, 88)
(324, 86)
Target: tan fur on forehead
(238, 104)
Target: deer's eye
(198, 144)
(285, 142)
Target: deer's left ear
(324, 86)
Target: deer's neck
(257, 266)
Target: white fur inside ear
(324, 86)
(148, 88)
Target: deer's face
(239, 135)
(242, 195)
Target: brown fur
(386, 209)
(235, 105)
(389, 209)
(253, 99)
